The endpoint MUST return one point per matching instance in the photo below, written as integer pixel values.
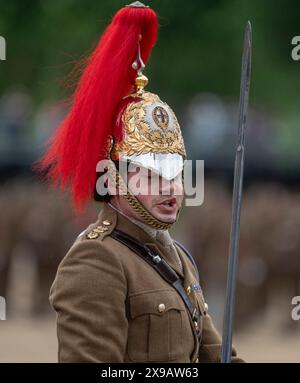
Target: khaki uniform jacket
(112, 306)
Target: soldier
(126, 291)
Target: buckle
(154, 258)
(195, 315)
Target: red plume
(80, 140)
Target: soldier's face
(161, 197)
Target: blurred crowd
(37, 226)
(269, 247)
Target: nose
(170, 187)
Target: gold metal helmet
(151, 133)
(151, 138)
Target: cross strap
(159, 264)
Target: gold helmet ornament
(151, 133)
(112, 116)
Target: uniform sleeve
(210, 348)
(88, 294)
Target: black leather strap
(159, 264)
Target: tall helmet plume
(82, 137)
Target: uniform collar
(123, 223)
(149, 230)
(162, 236)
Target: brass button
(206, 306)
(188, 289)
(100, 229)
(92, 235)
(196, 326)
(106, 222)
(161, 307)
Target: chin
(163, 215)
(167, 218)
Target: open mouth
(169, 203)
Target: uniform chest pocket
(155, 328)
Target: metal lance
(226, 349)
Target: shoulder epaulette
(99, 230)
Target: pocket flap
(155, 302)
